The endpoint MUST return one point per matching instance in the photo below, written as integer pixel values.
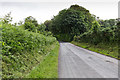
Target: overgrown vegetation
(48, 67)
(101, 38)
(102, 48)
(98, 34)
(78, 25)
(69, 22)
(24, 46)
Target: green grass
(102, 48)
(48, 68)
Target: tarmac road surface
(76, 62)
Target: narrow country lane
(76, 62)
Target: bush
(21, 50)
(104, 35)
(17, 40)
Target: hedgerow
(22, 50)
(99, 35)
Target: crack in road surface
(76, 62)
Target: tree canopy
(72, 21)
(30, 23)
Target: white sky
(45, 9)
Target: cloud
(59, 0)
(45, 10)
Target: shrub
(20, 49)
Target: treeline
(102, 39)
(70, 22)
(78, 25)
(23, 46)
(100, 34)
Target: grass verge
(102, 48)
(48, 68)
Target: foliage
(105, 35)
(32, 20)
(47, 24)
(63, 37)
(48, 68)
(102, 48)
(30, 23)
(7, 19)
(72, 21)
(22, 49)
(118, 24)
(107, 23)
(20, 40)
(102, 38)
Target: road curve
(76, 62)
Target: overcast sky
(45, 9)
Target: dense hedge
(21, 50)
(105, 35)
(69, 22)
(17, 40)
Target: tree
(41, 28)
(30, 26)
(7, 19)
(118, 24)
(95, 26)
(107, 23)
(47, 24)
(20, 22)
(30, 23)
(32, 20)
(72, 21)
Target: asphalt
(76, 62)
